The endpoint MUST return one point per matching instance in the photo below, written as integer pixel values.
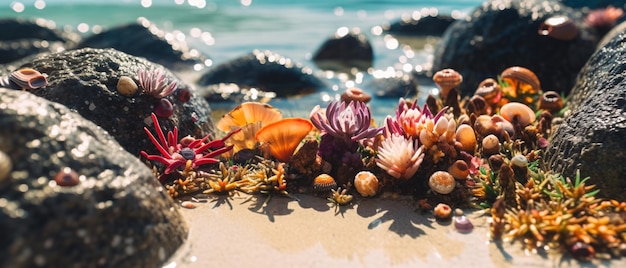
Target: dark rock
(85, 80)
(423, 26)
(116, 216)
(264, 71)
(593, 4)
(343, 52)
(20, 38)
(504, 33)
(404, 86)
(144, 39)
(592, 138)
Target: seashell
(478, 105)
(282, 137)
(249, 112)
(66, 177)
(244, 139)
(559, 27)
(127, 86)
(442, 212)
(551, 101)
(5, 166)
(463, 225)
(366, 183)
(521, 79)
(519, 160)
(442, 182)
(516, 112)
(446, 80)
(28, 78)
(490, 90)
(164, 108)
(323, 183)
(503, 126)
(490, 145)
(467, 138)
(459, 170)
(355, 94)
(188, 204)
(485, 126)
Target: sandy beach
(241, 231)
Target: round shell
(491, 145)
(5, 166)
(519, 160)
(127, 86)
(517, 112)
(490, 90)
(446, 80)
(66, 177)
(355, 94)
(323, 183)
(459, 170)
(366, 183)
(466, 137)
(559, 27)
(442, 212)
(520, 77)
(442, 182)
(551, 101)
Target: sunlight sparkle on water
(246, 3)
(377, 30)
(40, 4)
(82, 27)
(17, 7)
(338, 11)
(342, 31)
(146, 3)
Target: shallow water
(225, 30)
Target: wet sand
(242, 231)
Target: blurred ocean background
(227, 29)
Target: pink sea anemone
(400, 157)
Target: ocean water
(227, 29)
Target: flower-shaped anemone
(399, 156)
(154, 83)
(188, 152)
(350, 121)
(410, 120)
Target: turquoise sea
(227, 29)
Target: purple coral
(343, 120)
(154, 83)
(188, 152)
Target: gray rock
(85, 80)
(504, 33)
(118, 214)
(342, 53)
(265, 71)
(144, 39)
(403, 86)
(423, 26)
(593, 4)
(592, 138)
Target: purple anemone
(343, 120)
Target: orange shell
(442, 212)
(447, 79)
(366, 183)
(248, 112)
(559, 27)
(467, 138)
(551, 101)
(459, 170)
(323, 183)
(521, 79)
(490, 90)
(28, 78)
(283, 136)
(515, 111)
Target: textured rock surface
(20, 38)
(504, 33)
(85, 80)
(343, 52)
(592, 138)
(422, 26)
(144, 39)
(405, 85)
(116, 216)
(594, 4)
(266, 71)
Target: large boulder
(20, 38)
(591, 139)
(418, 25)
(85, 80)
(265, 71)
(504, 33)
(71, 196)
(144, 39)
(344, 51)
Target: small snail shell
(366, 183)
(323, 183)
(126, 86)
(459, 170)
(28, 78)
(442, 212)
(517, 112)
(446, 80)
(551, 101)
(442, 182)
(490, 90)
(559, 27)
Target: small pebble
(188, 204)
(463, 224)
(458, 212)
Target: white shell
(442, 182)
(366, 183)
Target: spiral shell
(28, 78)
(323, 183)
(126, 86)
(366, 183)
(551, 101)
(559, 27)
(446, 80)
(442, 182)
(517, 112)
